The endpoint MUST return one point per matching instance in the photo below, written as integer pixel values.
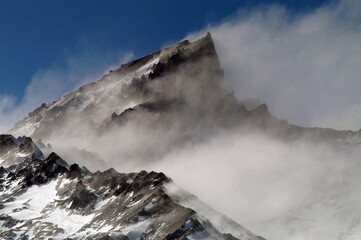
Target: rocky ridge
(178, 88)
(47, 198)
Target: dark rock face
(28, 146)
(8, 222)
(189, 227)
(14, 150)
(159, 113)
(36, 171)
(75, 171)
(7, 141)
(83, 199)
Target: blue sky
(37, 34)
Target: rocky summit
(178, 88)
(177, 91)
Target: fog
(57, 79)
(280, 190)
(305, 66)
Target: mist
(279, 190)
(305, 66)
(52, 82)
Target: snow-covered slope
(43, 199)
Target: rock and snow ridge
(47, 198)
(135, 83)
(14, 150)
(178, 89)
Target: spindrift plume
(169, 112)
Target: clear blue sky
(35, 34)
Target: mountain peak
(187, 71)
(14, 150)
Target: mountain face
(185, 77)
(161, 102)
(179, 88)
(48, 199)
(135, 116)
(171, 93)
(177, 91)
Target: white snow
(11, 187)
(38, 204)
(63, 182)
(25, 130)
(146, 68)
(70, 222)
(134, 231)
(104, 202)
(150, 205)
(22, 155)
(30, 204)
(134, 203)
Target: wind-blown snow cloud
(54, 82)
(6, 108)
(306, 67)
(280, 190)
(50, 83)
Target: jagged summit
(190, 71)
(202, 47)
(178, 87)
(176, 94)
(14, 150)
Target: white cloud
(53, 82)
(306, 67)
(6, 105)
(50, 83)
